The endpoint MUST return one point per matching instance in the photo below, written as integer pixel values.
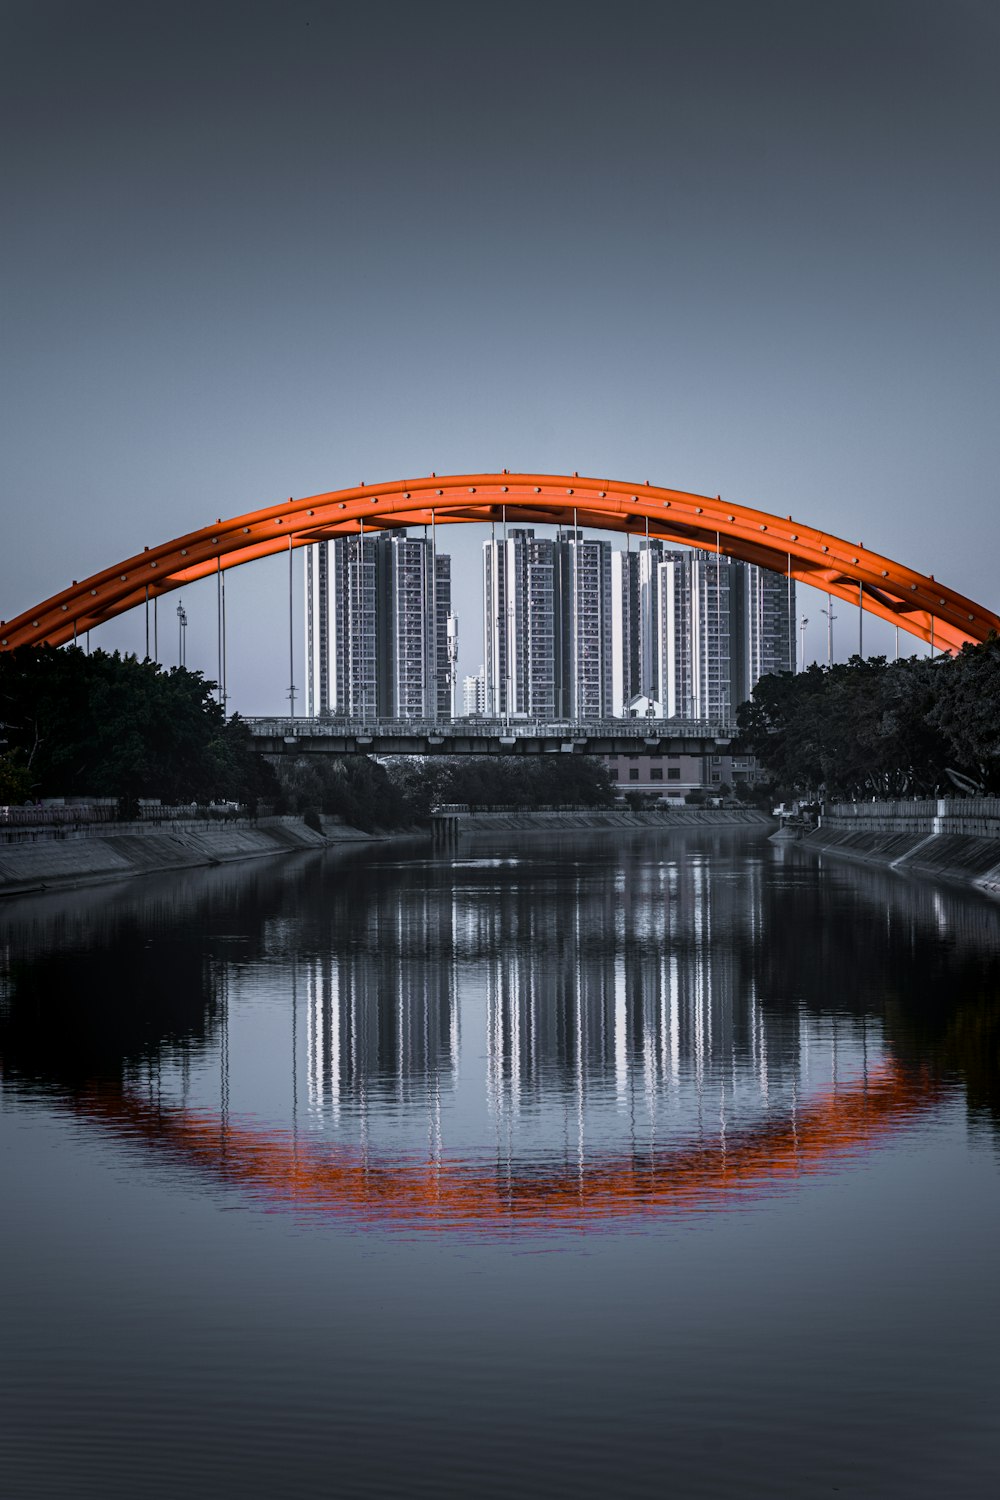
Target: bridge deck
(489, 737)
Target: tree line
(403, 791)
(106, 725)
(74, 724)
(874, 728)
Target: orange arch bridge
(917, 603)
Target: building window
(656, 774)
(633, 773)
(673, 773)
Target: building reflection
(651, 987)
(638, 997)
(382, 1013)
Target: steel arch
(915, 602)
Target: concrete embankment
(46, 859)
(58, 858)
(612, 818)
(954, 840)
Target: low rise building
(675, 777)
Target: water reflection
(382, 1013)
(515, 1037)
(446, 1190)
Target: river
(546, 1166)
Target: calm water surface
(550, 1167)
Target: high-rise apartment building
(547, 621)
(636, 630)
(414, 596)
(582, 619)
(575, 631)
(380, 635)
(518, 624)
(572, 630)
(770, 625)
(341, 627)
(702, 637)
(723, 625)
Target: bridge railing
(637, 729)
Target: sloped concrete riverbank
(944, 839)
(52, 859)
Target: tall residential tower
(583, 636)
(380, 635)
(518, 634)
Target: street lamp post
(802, 642)
(830, 617)
(182, 624)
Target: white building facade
(474, 694)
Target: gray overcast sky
(260, 250)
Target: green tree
(113, 726)
(858, 729)
(966, 712)
(352, 787)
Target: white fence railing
(971, 817)
(108, 810)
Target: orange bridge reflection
(373, 1188)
